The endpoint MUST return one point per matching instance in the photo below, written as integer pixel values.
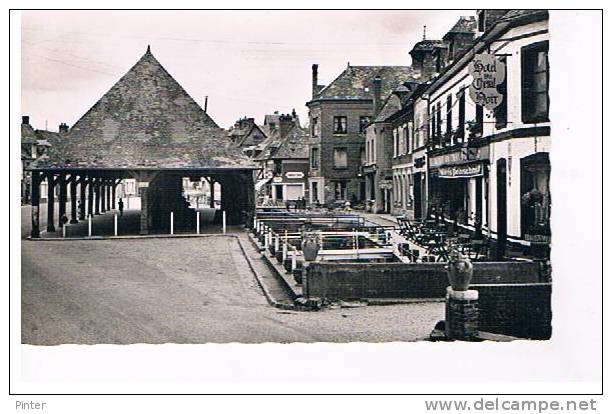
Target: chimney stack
(377, 92)
(25, 120)
(63, 128)
(315, 79)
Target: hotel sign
(487, 73)
(461, 171)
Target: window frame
(339, 132)
(528, 53)
(339, 167)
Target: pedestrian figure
(120, 207)
(79, 205)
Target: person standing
(120, 207)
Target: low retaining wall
(404, 280)
(521, 310)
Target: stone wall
(334, 280)
(522, 310)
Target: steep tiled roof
(516, 14)
(391, 106)
(146, 120)
(465, 24)
(28, 135)
(428, 44)
(355, 82)
(294, 145)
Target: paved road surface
(194, 290)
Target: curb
(131, 237)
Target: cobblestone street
(180, 291)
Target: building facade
(489, 169)
(339, 114)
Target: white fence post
(224, 223)
(116, 232)
(89, 225)
(64, 231)
(293, 259)
(197, 222)
(172, 222)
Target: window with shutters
(534, 83)
(501, 112)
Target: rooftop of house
(355, 82)
(465, 24)
(428, 45)
(146, 120)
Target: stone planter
(310, 246)
(460, 271)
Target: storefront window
(535, 196)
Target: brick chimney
(25, 120)
(286, 122)
(377, 102)
(63, 128)
(315, 79)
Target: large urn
(310, 246)
(460, 271)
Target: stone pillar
(114, 195)
(36, 177)
(90, 196)
(82, 188)
(145, 207)
(63, 195)
(73, 199)
(102, 196)
(97, 191)
(461, 314)
(108, 195)
(212, 193)
(50, 203)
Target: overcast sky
(248, 63)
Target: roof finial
(148, 48)
(424, 32)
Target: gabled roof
(254, 128)
(428, 45)
(465, 24)
(391, 106)
(294, 145)
(355, 82)
(28, 135)
(146, 120)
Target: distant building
(34, 145)
(246, 134)
(339, 114)
(284, 161)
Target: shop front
(458, 188)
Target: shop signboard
(461, 171)
(294, 174)
(487, 73)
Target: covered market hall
(147, 129)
